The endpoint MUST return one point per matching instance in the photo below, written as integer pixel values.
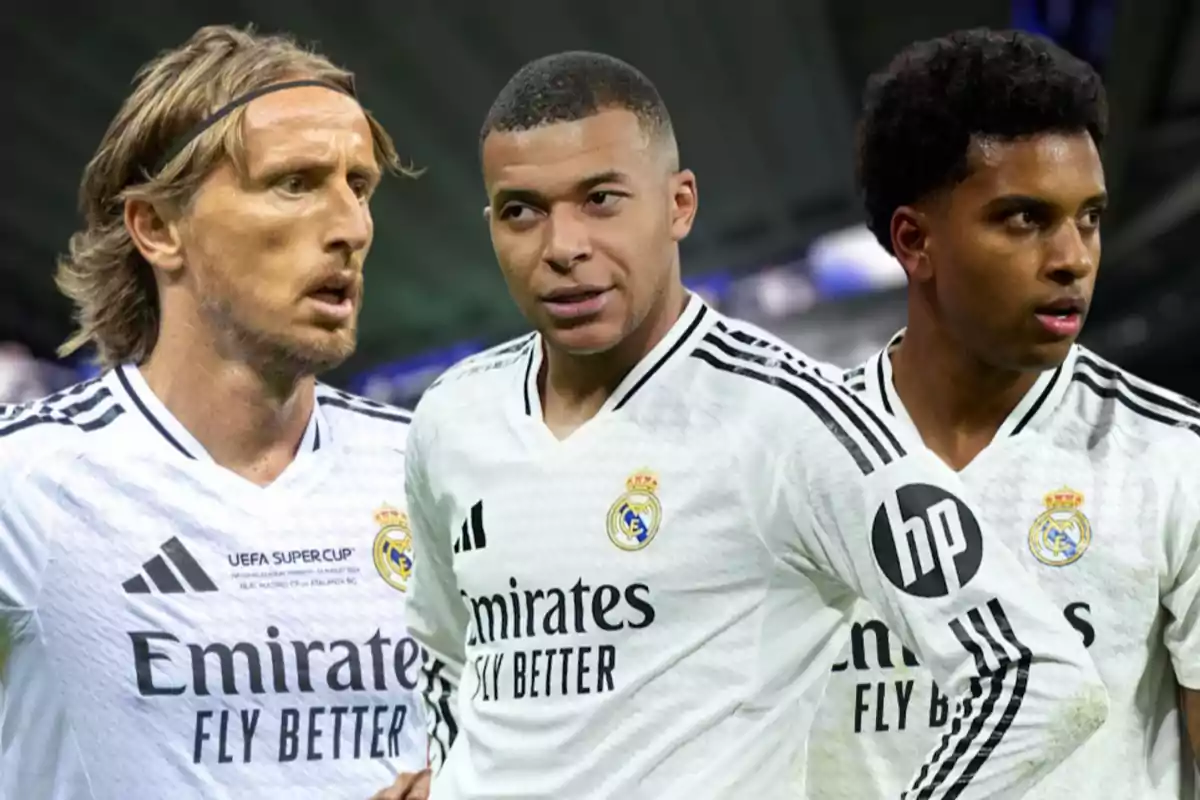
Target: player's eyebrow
(532, 197)
(1023, 202)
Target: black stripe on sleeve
(438, 701)
(1152, 405)
(1023, 664)
(796, 367)
(816, 392)
(993, 681)
(18, 418)
(832, 425)
(1159, 399)
(375, 410)
(1118, 393)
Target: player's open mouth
(1062, 318)
(334, 297)
(575, 302)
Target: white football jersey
(1092, 484)
(650, 607)
(169, 629)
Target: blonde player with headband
(203, 552)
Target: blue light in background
(1083, 27)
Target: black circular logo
(926, 541)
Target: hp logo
(926, 541)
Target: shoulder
(476, 371)
(1107, 396)
(854, 378)
(793, 400)
(476, 381)
(729, 339)
(362, 420)
(75, 415)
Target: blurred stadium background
(764, 94)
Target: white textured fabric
(172, 630)
(1091, 483)
(650, 607)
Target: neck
(250, 420)
(957, 401)
(577, 385)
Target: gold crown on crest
(642, 481)
(388, 517)
(1063, 499)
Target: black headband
(227, 109)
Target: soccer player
(203, 552)
(979, 162)
(640, 530)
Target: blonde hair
(111, 285)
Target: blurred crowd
(24, 378)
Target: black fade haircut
(566, 87)
(921, 113)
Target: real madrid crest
(634, 518)
(1061, 534)
(393, 547)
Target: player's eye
(294, 183)
(361, 185)
(516, 212)
(1023, 221)
(604, 200)
(1091, 218)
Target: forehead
(1065, 165)
(307, 120)
(563, 152)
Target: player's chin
(318, 351)
(584, 338)
(1043, 355)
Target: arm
(22, 559)
(436, 617)
(890, 522)
(1191, 709)
(1181, 590)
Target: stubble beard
(273, 354)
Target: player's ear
(155, 233)
(684, 203)
(910, 242)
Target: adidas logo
(473, 536)
(164, 578)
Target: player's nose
(568, 240)
(1069, 256)
(351, 225)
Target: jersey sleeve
(23, 551)
(1181, 589)
(23, 555)
(437, 619)
(885, 517)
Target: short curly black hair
(571, 86)
(921, 113)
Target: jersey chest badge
(393, 547)
(634, 517)
(1061, 534)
